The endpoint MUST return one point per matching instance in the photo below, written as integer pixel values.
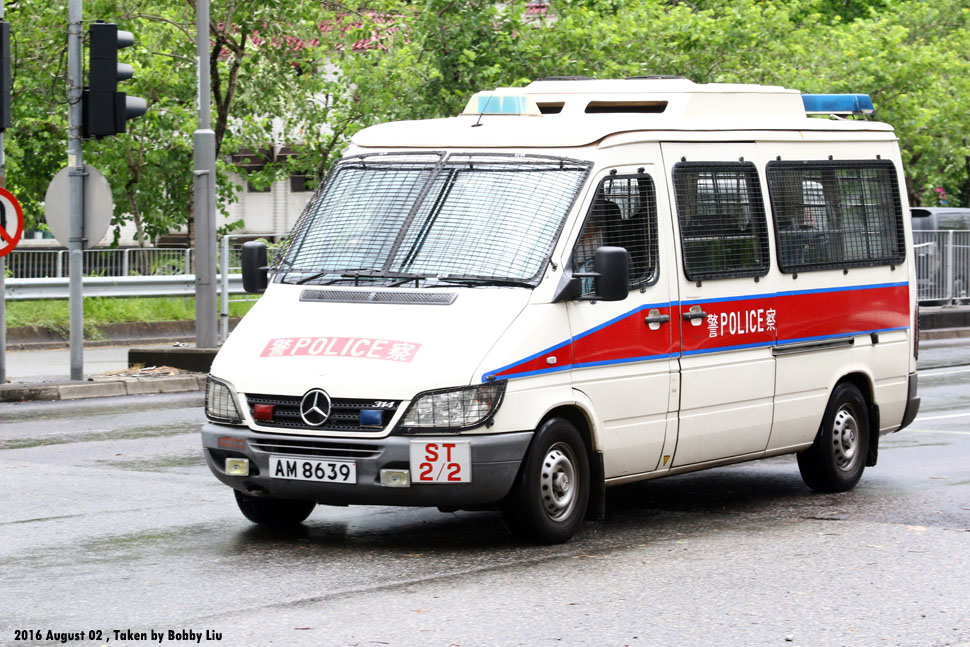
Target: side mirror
(613, 267)
(254, 271)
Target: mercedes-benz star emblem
(315, 407)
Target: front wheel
(548, 501)
(835, 461)
(273, 512)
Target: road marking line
(949, 415)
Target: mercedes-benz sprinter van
(569, 286)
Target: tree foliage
(911, 56)
(273, 81)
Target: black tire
(548, 501)
(837, 458)
(273, 512)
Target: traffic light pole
(75, 83)
(204, 157)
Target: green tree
(272, 81)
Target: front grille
(315, 448)
(344, 413)
(396, 297)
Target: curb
(102, 388)
(943, 317)
(943, 333)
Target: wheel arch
(581, 418)
(863, 382)
(578, 417)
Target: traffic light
(5, 121)
(105, 109)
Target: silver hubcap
(557, 483)
(845, 439)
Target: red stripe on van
(741, 322)
(627, 338)
(755, 321)
(823, 314)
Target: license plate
(311, 469)
(445, 461)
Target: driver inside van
(592, 237)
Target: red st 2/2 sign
(11, 222)
(445, 461)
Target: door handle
(695, 315)
(654, 319)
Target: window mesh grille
(723, 230)
(361, 195)
(835, 214)
(623, 214)
(468, 215)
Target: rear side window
(835, 214)
(623, 214)
(723, 233)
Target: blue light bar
(495, 104)
(501, 103)
(837, 104)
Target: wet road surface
(111, 521)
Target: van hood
(365, 342)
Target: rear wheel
(273, 512)
(835, 461)
(548, 500)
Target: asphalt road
(111, 521)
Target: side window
(623, 214)
(723, 231)
(835, 214)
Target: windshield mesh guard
(382, 218)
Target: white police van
(572, 285)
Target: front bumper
(495, 464)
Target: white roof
(648, 104)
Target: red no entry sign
(11, 222)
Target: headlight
(454, 409)
(220, 403)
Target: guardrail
(230, 258)
(131, 261)
(114, 286)
(942, 266)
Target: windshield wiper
(357, 275)
(471, 279)
(344, 274)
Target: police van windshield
(432, 219)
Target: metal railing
(130, 272)
(182, 285)
(230, 262)
(133, 261)
(942, 266)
